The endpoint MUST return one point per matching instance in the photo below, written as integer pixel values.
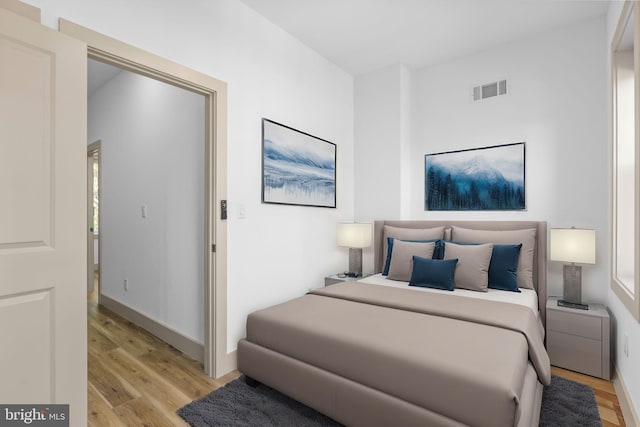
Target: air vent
(490, 90)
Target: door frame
(114, 52)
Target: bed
(377, 353)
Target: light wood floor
(137, 380)
(134, 378)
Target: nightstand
(579, 340)
(333, 279)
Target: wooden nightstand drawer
(575, 353)
(575, 324)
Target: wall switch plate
(143, 211)
(625, 345)
(223, 209)
(126, 284)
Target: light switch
(143, 211)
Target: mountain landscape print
(490, 178)
(297, 168)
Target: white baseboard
(230, 363)
(165, 333)
(626, 404)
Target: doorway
(217, 361)
(152, 138)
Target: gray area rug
(568, 403)
(564, 403)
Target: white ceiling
(363, 35)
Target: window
(625, 162)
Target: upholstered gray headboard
(539, 256)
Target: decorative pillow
(433, 273)
(438, 252)
(472, 269)
(409, 234)
(503, 267)
(402, 258)
(503, 270)
(527, 237)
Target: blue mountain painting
(299, 175)
(475, 180)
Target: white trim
(629, 413)
(165, 333)
(630, 300)
(23, 9)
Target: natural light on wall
(625, 162)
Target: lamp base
(572, 287)
(563, 303)
(355, 262)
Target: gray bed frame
(355, 404)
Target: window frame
(631, 301)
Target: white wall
(626, 324)
(381, 132)
(556, 103)
(276, 252)
(152, 138)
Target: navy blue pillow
(438, 251)
(503, 268)
(433, 273)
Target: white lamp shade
(573, 245)
(354, 235)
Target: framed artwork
(489, 178)
(297, 168)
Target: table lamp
(354, 236)
(574, 245)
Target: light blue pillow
(438, 252)
(433, 273)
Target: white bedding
(527, 298)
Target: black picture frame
(476, 179)
(298, 168)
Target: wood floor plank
(113, 388)
(133, 339)
(100, 413)
(158, 391)
(182, 373)
(140, 412)
(99, 342)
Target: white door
(43, 329)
